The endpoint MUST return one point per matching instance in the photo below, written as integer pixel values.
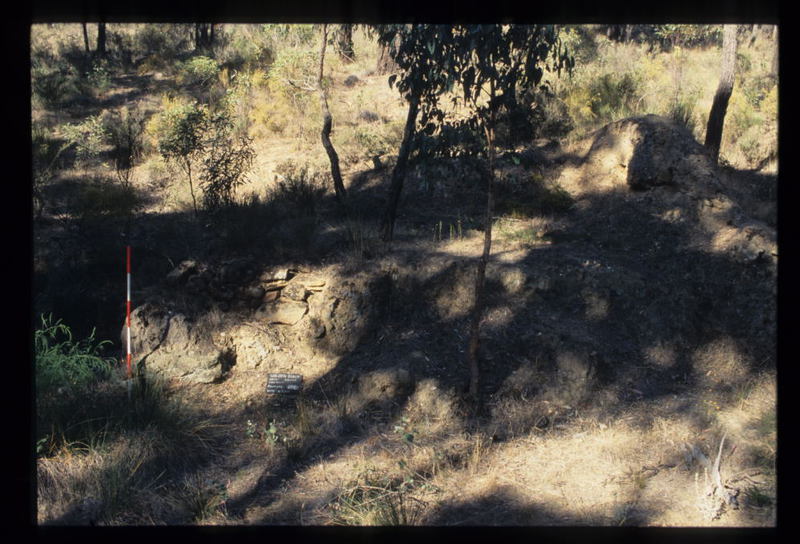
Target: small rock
(287, 312)
(278, 274)
(255, 292)
(369, 116)
(310, 281)
(274, 285)
(351, 80)
(296, 291)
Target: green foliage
(246, 52)
(62, 362)
(472, 60)
(46, 152)
(180, 131)
(683, 114)
(613, 95)
(758, 498)
(165, 41)
(579, 41)
(536, 114)
(293, 35)
(226, 162)
(199, 70)
(88, 137)
(99, 197)
(293, 72)
(99, 77)
(53, 82)
(298, 186)
(124, 130)
(671, 35)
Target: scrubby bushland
(672, 70)
(226, 162)
(199, 70)
(125, 132)
(200, 139)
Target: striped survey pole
(128, 320)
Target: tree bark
(628, 33)
(101, 39)
(716, 118)
(191, 185)
(344, 43)
(480, 276)
(774, 64)
(386, 64)
(86, 38)
(202, 37)
(338, 185)
(399, 172)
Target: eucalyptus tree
(327, 123)
(716, 118)
(423, 74)
(482, 66)
(489, 63)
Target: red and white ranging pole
(128, 320)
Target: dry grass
(405, 454)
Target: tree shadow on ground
(618, 282)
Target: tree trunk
(101, 39)
(386, 64)
(344, 43)
(338, 185)
(202, 37)
(191, 185)
(774, 64)
(399, 172)
(480, 276)
(86, 38)
(210, 34)
(716, 119)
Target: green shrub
(298, 186)
(245, 52)
(226, 163)
(166, 41)
(46, 157)
(199, 71)
(124, 130)
(88, 137)
(62, 362)
(683, 113)
(52, 82)
(578, 40)
(181, 131)
(100, 197)
(98, 78)
(613, 95)
(684, 35)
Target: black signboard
(284, 383)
